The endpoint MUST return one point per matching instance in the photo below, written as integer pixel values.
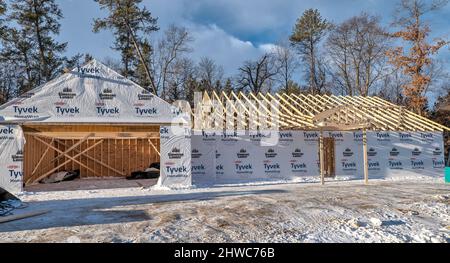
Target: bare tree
(357, 50)
(174, 43)
(258, 76)
(209, 74)
(179, 83)
(8, 85)
(286, 63)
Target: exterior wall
(175, 157)
(414, 153)
(244, 156)
(254, 156)
(11, 172)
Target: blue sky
(229, 31)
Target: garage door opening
(102, 155)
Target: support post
(322, 159)
(366, 159)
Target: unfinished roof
(305, 112)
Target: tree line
(357, 57)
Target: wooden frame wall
(97, 151)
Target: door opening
(329, 157)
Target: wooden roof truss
(251, 111)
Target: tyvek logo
(198, 168)
(242, 154)
(347, 153)
(259, 135)
(146, 111)
(107, 94)
(372, 152)
(67, 111)
(336, 135)
(348, 166)
(195, 154)
(218, 154)
(374, 166)
(14, 173)
(416, 152)
(438, 164)
(310, 136)
(244, 168)
(298, 167)
(175, 153)
(297, 153)
(357, 136)
(286, 135)
(67, 93)
(417, 164)
(228, 136)
(6, 131)
(271, 153)
(175, 111)
(164, 130)
(108, 111)
(25, 110)
(177, 171)
(383, 136)
(396, 165)
(208, 134)
(426, 136)
(405, 136)
(272, 168)
(87, 70)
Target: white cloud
(227, 50)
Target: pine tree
(306, 36)
(130, 24)
(38, 20)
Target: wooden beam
(41, 159)
(69, 157)
(71, 148)
(322, 158)
(95, 160)
(154, 147)
(365, 157)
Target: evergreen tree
(306, 36)
(130, 24)
(38, 21)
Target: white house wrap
(175, 156)
(11, 157)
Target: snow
(409, 209)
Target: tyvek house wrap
(92, 93)
(11, 156)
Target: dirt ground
(384, 211)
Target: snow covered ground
(402, 210)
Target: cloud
(227, 50)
